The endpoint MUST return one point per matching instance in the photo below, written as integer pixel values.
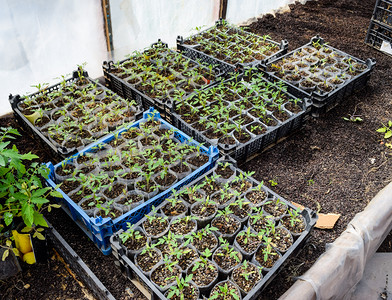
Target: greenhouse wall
(41, 40)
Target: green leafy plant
(273, 182)
(22, 193)
(224, 292)
(130, 234)
(386, 129)
(244, 270)
(294, 216)
(178, 289)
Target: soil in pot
(166, 181)
(241, 209)
(182, 226)
(164, 274)
(222, 197)
(260, 220)
(282, 239)
(275, 207)
(256, 128)
(256, 196)
(189, 292)
(248, 241)
(242, 136)
(227, 257)
(171, 210)
(204, 272)
(155, 225)
(246, 276)
(281, 115)
(179, 169)
(65, 170)
(130, 199)
(185, 257)
(241, 186)
(69, 185)
(203, 240)
(73, 143)
(293, 107)
(325, 87)
(198, 160)
(133, 239)
(224, 170)
(294, 223)
(112, 213)
(266, 256)
(226, 224)
(116, 190)
(225, 290)
(146, 260)
(203, 209)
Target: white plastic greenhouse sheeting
(43, 39)
(337, 272)
(137, 24)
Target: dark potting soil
(50, 280)
(331, 164)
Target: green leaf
(26, 229)
(39, 200)
(28, 214)
(8, 217)
(39, 236)
(11, 154)
(2, 161)
(29, 156)
(382, 129)
(3, 145)
(171, 294)
(39, 219)
(389, 123)
(56, 194)
(388, 134)
(40, 192)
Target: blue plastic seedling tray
(99, 229)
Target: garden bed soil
(331, 165)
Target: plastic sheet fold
(337, 272)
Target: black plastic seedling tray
(130, 91)
(57, 151)
(193, 52)
(243, 152)
(325, 101)
(379, 34)
(383, 12)
(132, 272)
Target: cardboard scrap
(325, 221)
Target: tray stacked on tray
(224, 229)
